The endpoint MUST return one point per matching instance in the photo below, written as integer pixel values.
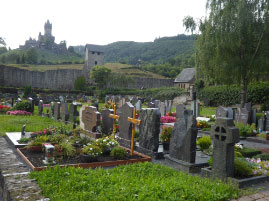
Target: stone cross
(40, 107)
(114, 117)
(107, 121)
(183, 138)
(134, 123)
(149, 129)
(224, 135)
(125, 126)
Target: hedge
(230, 95)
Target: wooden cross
(114, 117)
(134, 123)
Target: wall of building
(63, 79)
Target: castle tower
(48, 28)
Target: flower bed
(168, 119)
(18, 112)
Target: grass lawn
(207, 111)
(11, 123)
(141, 181)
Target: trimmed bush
(23, 106)
(204, 142)
(230, 95)
(242, 168)
(264, 157)
(249, 152)
(118, 153)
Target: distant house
(185, 79)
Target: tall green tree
(234, 42)
(2, 41)
(31, 56)
(100, 75)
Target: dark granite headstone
(64, 112)
(183, 138)
(107, 122)
(73, 112)
(31, 101)
(57, 113)
(125, 126)
(40, 107)
(253, 118)
(230, 113)
(180, 108)
(149, 129)
(224, 135)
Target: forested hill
(159, 51)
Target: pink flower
(18, 112)
(168, 119)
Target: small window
(95, 62)
(93, 52)
(98, 53)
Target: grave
(122, 102)
(224, 112)
(149, 131)
(107, 122)
(125, 126)
(195, 105)
(40, 108)
(138, 105)
(52, 109)
(182, 151)
(64, 112)
(162, 108)
(157, 103)
(180, 108)
(242, 115)
(90, 121)
(31, 101)
(13, 138)
(168, 105)
(73, 112)
(224, 135)
(57, 113)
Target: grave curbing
(15, 183)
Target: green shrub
(242, 168)
(210, 161)
(118, 153)
(80, 83)
(24, 105)
(264, 157)
(230, 95)
(204, 142)
(249, 152)
(245, 130)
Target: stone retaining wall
(15, 183)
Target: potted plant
(166, 136)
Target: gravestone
(149, 129)
(122, 102)
(168, 105)
(197, 107)
(125, 126)
(242, 116)
(138, 105)
(57, 113)
(221, 112)
(248, 106)
(162, 109)
(180, 108)
(183, 138)
(73, 112)
(157, 103)
(64, 112)
(253, 118)
(261, 124)
(61, 98)
(267, 121)
(107, 122)
(230, 113)
(31, 101)
(90, 120)
(224, 135)
(40, 107)
(52, 109)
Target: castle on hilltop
(45, 41)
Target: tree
(233, 46)
(22, 59)
(31, 56)
(80, 83)
(189, 23)
(3, 50)
(100, 75)
(71, 49)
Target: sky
(100, 22)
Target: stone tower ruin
(48, 28)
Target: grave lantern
(49, 154)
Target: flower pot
(166, 146)
(36, 148)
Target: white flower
(90, 148)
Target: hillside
(157, 52)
